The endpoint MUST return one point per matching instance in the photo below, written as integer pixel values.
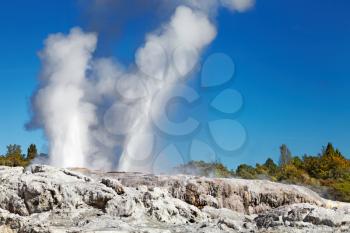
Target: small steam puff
(89, 107)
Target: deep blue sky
(292, 59)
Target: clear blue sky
(292, 59)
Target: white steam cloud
(90, 107)
(65, 115)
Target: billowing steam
(97, 114)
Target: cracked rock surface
(47, 199)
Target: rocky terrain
(47, 199)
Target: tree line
(14, 156)
(327, 173)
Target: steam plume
(59, 103)
(89, 107)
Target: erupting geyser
(88, 107)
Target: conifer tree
(285, 155)
(32, 152)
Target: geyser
(89, 107)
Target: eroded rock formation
(46, 199)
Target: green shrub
(246, 171)
(341, 191)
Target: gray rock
(47, 199)
(114, 184)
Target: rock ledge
(47, 199)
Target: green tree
(313, 166)
(329, 151)
(246, 171)
(32, 152)
(292, 174)
(297, 162)
(262, 170)
(14, 150)
(271, 166)
(14, 156)
(285, 155)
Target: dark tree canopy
(32, 152)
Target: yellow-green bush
(341, 191)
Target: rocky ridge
(47, 199)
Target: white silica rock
(47, 199)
